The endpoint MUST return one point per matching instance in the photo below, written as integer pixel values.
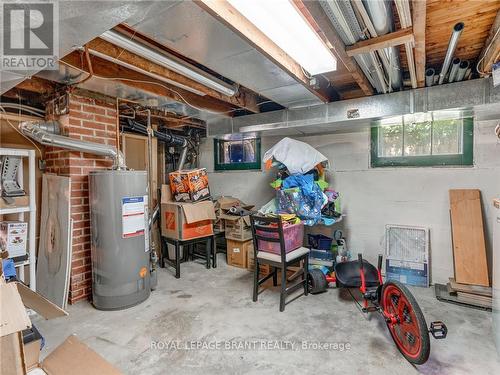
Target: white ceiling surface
(186, 28)
(79, 22)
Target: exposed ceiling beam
(419, 21)
(241, 26)
(242, 99)
(106, 70)
(338, 47)
(491, 50)
(38, 85)
(380, 42)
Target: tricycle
(391, 299)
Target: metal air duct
(44, 132)
(454, 69)
(429, 77)
(381, 17)
(452, 45)
(343, 19)
(462, 70)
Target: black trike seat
(347, 273)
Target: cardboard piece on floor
(53, 260)
(469, 249)
(75, 358)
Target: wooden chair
(271, 230)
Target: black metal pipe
(170, 139)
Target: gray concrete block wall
(374, 197)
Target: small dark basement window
(241, 154)
(419, 140)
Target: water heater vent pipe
(44, 132)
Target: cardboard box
(71, 357)
(189, 185)
(237, 228)
(13, 238)
(265, 269)
(185, 221)
(237, 252)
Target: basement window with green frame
(422, 140)
(237, 154)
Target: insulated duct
(452, 45)
(45, 132)
(343, 19)
(381, 17)
(429, 77)
(462, 69)
(454, 69)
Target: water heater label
(133, 216)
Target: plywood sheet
(54, 250)
(472, 289)
(469, 251)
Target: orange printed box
(189, 185)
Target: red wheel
(407, 326)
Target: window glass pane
(390, 140)
(238, 151)
(417, 139)
(447, 137)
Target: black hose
(169, 139)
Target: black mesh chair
(264, 230)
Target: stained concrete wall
(374, 197)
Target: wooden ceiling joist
(380, 42)
(241, 26)
(243, 99)
(419, 22)
(106, 70)
(338, 47)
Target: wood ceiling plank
(478, 17)
(380, 42)
(419, 20)
(234, 20)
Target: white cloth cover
(297, 156)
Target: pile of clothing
(301, 188)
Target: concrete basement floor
(216, 306)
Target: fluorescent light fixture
(285, 26)
(145, 72)
(170, 62)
